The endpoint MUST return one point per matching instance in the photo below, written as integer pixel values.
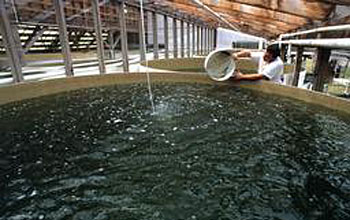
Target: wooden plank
(298, 64)
(155, 36)
(321, 68)
(182, 38)
(166, 37)
(38, 32)
(111, 45)
(64, 40)
(142, 40)
(13, 50)
(193, 39)
(124, 36)
(188, 40)
(175, 37)
(198, 40)
(98, 33)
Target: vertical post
(98, 32)
(175, 37)
(12, 49)
(209, 39)
(166, 37)
(202, 40)
(297, 69)
(182, 39)
(215, 38)
(198, 40)
(194, 28)
(204, 44)
(141, 39)
(346, 67)
(188, 40)
(111, 45)
(321, 69)
(124, 36)
(289, 53)
(155, 36)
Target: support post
(215, 38)
(188, 40)
(124, 36)
(98, 32)
(194, 28)
(142, 41)
(175, 37)
(209, 39)
(111, 45)
(289, 53)
(155, 36)
(202, 41)
(297, 69)
(198, 40)
(166, 37)
(38, 32)
(13, 50)
(182, 38)
(321, 69)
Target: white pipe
(202, 5)
(345, 27)
(329, 43)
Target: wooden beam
(321, 68)
(289, 8)
(193, 39)
(299, 61)
(202, 40)
(64, 40)
(182, 38)
(175, 37)
(198, 40)
(13, 50)
(98, 33)
(166, 37)
(155, 35)
(142, 38)
(38, 32)
(111, 43)
(188, 40)
(100, 4)
(124, 36)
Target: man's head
(272, 52)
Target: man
(271, 70)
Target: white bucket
(220, 65)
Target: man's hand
(238, 75)
(234, 56)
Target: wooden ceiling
(264, 18)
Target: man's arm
(252, 77)
(241, 54)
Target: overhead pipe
(345, 27)
(211, 11)
(343, 43)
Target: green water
(209, 152)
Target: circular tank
(91, 148)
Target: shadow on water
(208, 152)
